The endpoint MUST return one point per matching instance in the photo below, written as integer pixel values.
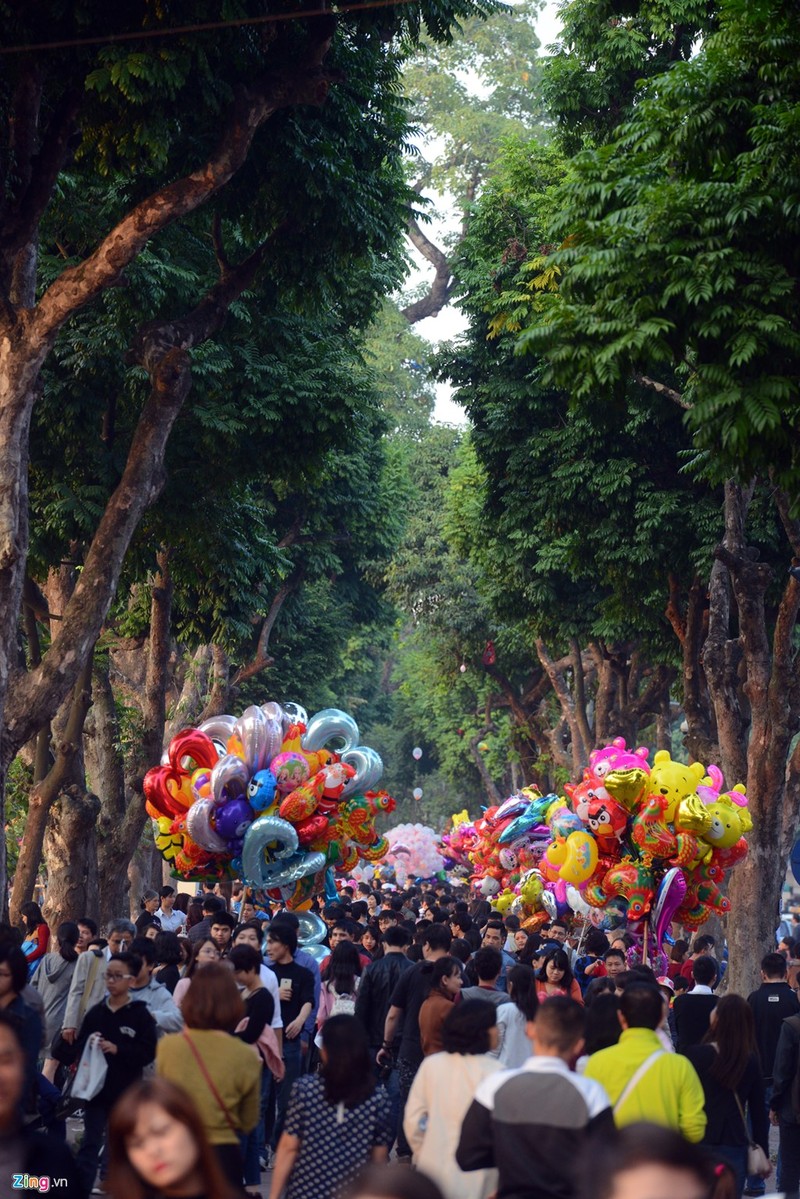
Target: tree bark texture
(73, 884)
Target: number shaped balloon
(368, 766)
(327, 725)
(198, 826)
(229, 779)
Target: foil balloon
(311, 929)
(229, 779)
(231, 820)
(294, 714)
(199, 828)
(368, 766)
(290, 769)
(330, 724)
(261, 790)
(258, 736)
(268, 842)
(220, 729)
(669, 897)
(318, 952)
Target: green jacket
(670, 1093)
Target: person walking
(643, 1081)
(340, 982)
(533, 1123)
(513, 1047)
(692, 1011)
(444, 991)
(555, 978)
(337, 1120)
(728, 1067)
(52, 981)
(259, 1012)
(441, 1093)
(487, 965)
(203, 953)
(296, 992)
(771, 1004)
(158, 1148)
(127, 1035)
(222, 1073)
(36, 935)
(87, 986)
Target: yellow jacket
(234, 1069)
(670, 1093)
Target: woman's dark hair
(31, 914)
(466, 1028)
(196, 946)
(392, 1181)
(561, 962)
(245, 957)
(17, 964)
(181, 903)
(679, 950)
(733, 1033)
(443, 968)
(521, 983)
(213, 1000)
(167, 948)
(122, 1178)
(597, 942)
(374, 930)
(603, 1028)
(343, 968)
(346, 1068)
(67, 935)
(610, 1155)
(598, 987)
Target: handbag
(91, 1072)
(757, 1160)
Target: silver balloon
(219, 729)
(272, 710)
(330, 724)
(229, 779)
(198, 826)
(268, 840)
(312, 928)
(294, 714)
(253, 731)
(368, 767)
(318, 952)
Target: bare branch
(443, 283)
(669, 393)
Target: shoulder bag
(757, 1160)
(636, 1078)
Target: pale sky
(450, 322)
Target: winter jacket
(161, 1006)
(784, 1074)
(52, 981)
(133, 1030)
(771, 1004)
(87, 987)
(377, 984)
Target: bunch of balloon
(272, 797)
(413, 852)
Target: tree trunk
(73, 886)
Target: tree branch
(662, 389)
(443, 283)
(262, 659)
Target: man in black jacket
(772, 1003)
(372, 1004)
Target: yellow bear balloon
(673, 780)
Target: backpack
(344, 1005)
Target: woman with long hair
(337, 1120)
(556, 978)
(169, 958)
(340, 981)
(36, 934)
(219, 1070)
(52, 981)
(202, 953)
(158, 1148)
(443, 1089)
(729, 1068)
(514, 1048)
(370, 942)
(446, 980)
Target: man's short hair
(614, 953)
(144, 948)
(212, 904)
(462, 920)
(560, 1023)
(165, 891)
(121, 926)
(87, 922)
(774, 965)
(436, 936)
(488, 964)
(245, 957)
(347, 926)
(396, 936)
(281, 930)
(642, 1006)
(223, 918)
(512, 923)
(704, 971)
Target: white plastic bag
(92, 1070)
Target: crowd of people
(484, 1060)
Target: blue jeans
(293, 1061)
(736, 1158)
(253, 1143)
